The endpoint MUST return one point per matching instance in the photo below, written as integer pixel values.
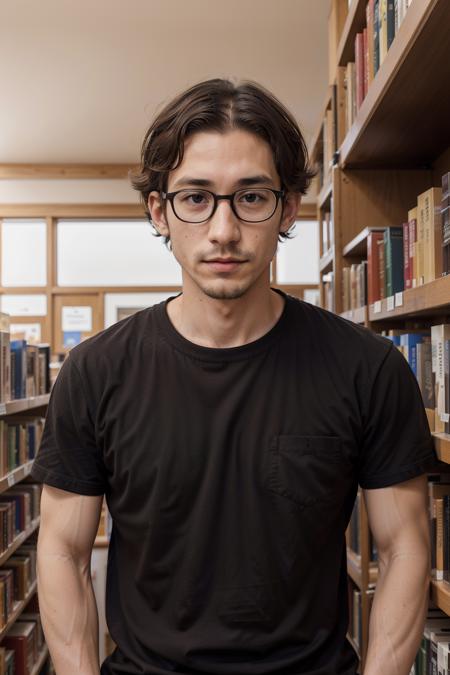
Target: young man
(229, 428)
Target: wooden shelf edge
(325, 194)
(442, 446)
(326, 261)
(15, 476)
(432, 296)
(18, 541)
(23, 405)
(40, 661)
(440, 594)
(20, 606)
(313, 148)
(352, 247)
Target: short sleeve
(397, 443)
(68, 456)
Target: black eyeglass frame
(279, 194)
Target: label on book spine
(399, 299)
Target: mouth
(224, 264)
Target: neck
(225, 323)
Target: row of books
(383, 20)
(19, 441)
(354, 286)
(24, 368)
(19, 506)
(328, 291)
(414, 254)
(24, 642)
(354, 532)
(16, 578)
(428, 353)
(433, 656)
(439, 506)
(327, 232)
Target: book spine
(376, 36)
(390, 22)
(373, 277)
(446, 535)
(406, 258)
(439, 539)
(366, 61)
(433, 532)
(381, 269)
(397, 261)
(412, 219)
(388, 262)
(370, 42)
(447, 386)
(359, 68)
(383, 30)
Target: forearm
(398, 613)
(69, 612)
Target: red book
(373, 275)
(406, 260)
(359, 69)
(412, 241)
(366, 61)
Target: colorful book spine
(393, 245)
(376, 36)
(407, 281)
(359, 69)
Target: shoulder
(117, 343)
(340, 336)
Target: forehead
(225, 157)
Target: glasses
(198, 206)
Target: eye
(194, 198)
(254, 197)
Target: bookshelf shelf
(14, 477)
(18, 541)
(355, 572)
(357, 247)
(326, 261)
(440, 594)
(353, 644)
(325, 194)
(442, 446)
(354, 24)
(23, 405)
(358, 315)
(427, 300)
(18, 609)
(40, 661)
(408, 98)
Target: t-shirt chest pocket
(306, 469)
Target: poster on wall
(31, 332)
(77, 319)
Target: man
(229, 428)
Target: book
(5, 358)
(429, 214)
(350, 107)
(439, 334)
(383, 29)
(382, 267)
(370, 41)
(376, 36)
(393, 256)
(19, 352)
(412, 222)
(373, 264)
(20, 638)
(366, 62)
(359, 69)
(390, 22)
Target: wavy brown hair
(219, 105)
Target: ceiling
(81, 79)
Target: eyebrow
(204, 182)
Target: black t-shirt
(231, 475)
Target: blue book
(395, 339)
(410, 341)
(19, 347)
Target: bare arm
(69, 524)
(398, 517)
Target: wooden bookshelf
(325, 195)
(357, 247)
(15, 476)
(326, 261)
(427, 300)
(403, 121)
(19, 540)
(354, 24)
(440, 594)
(355, 570)
(18, 609)
(442, 446)
(40, 661)
(358, 315)
(23, 405)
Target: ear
(155, 206)
(291, 207)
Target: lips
(224, 264)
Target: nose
(224, 226)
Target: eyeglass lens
(250, 205)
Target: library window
(24, 253)
(113, 253)
(297, 258)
